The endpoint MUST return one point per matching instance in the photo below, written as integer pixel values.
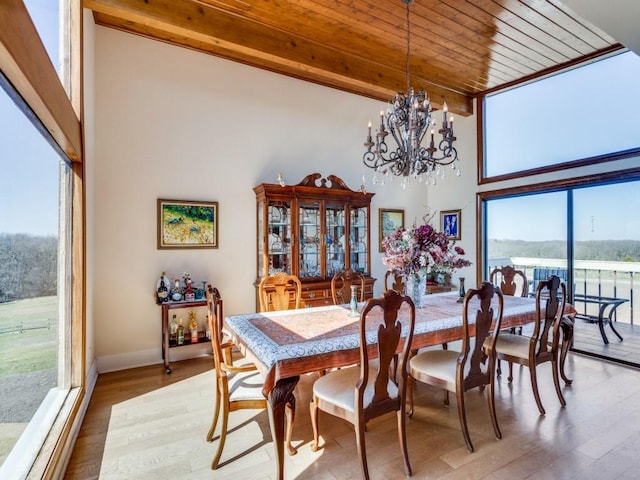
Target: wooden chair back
(512, 281)
(551, 297)
(487, 326)
(386, 335)
(221, 349)
(341, 286)
(394, 281)
(279, 292)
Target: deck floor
(587, 340)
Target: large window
(547, 122)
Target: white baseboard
(123, 361)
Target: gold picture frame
(187, 224)
(389, 220)
(451, 224)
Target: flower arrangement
(412, 251)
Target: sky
(29, 201)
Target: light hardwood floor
(144, 424)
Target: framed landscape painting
(389, 221)
(450, 224)
(187, 224)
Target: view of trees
(611, 250)
(28, 266)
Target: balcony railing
(599, 278)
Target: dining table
(289, 343)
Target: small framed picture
(187, 224)
(450, 224)
(388, 222)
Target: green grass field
(32, 350)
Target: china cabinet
(313, 230)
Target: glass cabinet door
(335, 246)
(309, 235)
(359, 239)
(279, 236)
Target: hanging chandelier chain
(408, 119)
(408, 63)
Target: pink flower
(414, 250)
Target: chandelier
(408, 119)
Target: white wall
(176, 124)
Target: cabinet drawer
(314, 294)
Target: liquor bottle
(163, 290)
(176, 292)
(173, 331)
(190, 294)
(180, 332)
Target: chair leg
(402, 437)
(534, 386)
(446, 397)
(556, 382)
(498, 368)
(492, 410)
(410, 386)
(313, 410)
(216, 413)
(362, 449)
(510, 377)
(223, 435)
(290, 413)
(462, 414)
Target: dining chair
(394, 281)
(542, 346)
(279, 292)
(471, 367)
(359, 394)
(341, 284)
(511, 280)
(238, 387)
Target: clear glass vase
(416, 286)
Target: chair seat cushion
(338, 387)
(513, 345)
(440, 364)
(246, 385)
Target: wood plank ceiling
(459, 48)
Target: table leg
(611, 322)
(278, 398)
(601, 324)
(566, 324)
